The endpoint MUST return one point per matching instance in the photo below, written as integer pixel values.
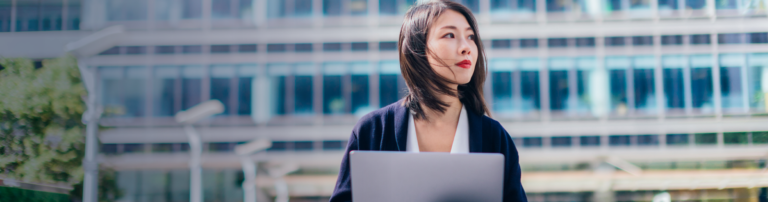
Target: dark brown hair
(423, 83)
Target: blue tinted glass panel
(388, 89)
(645, 93)
(278, 94)
(502, 91)
(647, 140)
(360, 92)
(332, 7)
(190, 92)
(163, 97)
(303, 95)
(561, 141)
(558, 89)
(589, 141)
(333, 102)
(191, 9)
(530, 90)
(532, 142)
(618, 80)
(673, 88)
(701, 88)
(220, 90)
(618, 140)
(244, 89)
(730, 85)
(677, 139)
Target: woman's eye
(471, 37)
(449, 35)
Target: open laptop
(426, 177)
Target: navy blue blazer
(386, 129)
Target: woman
(443, 63)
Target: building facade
(607, 100)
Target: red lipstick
(466, 64)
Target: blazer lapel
(475, 131)
(401, 126)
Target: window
(615, 41)
(564, 141)
(303, 88)
(221, 85)
(700, 39)
(585, 42)
(229, 9)
(126, 10)
(617, 76)
(5, 16)
(529, 86)
(673, 67)
(123, 91)
(331, 46)
(246, 48)
(274, 48)
(672, 40)
(280, 146)
(191, 9)
(220, 48)
(473, 5)
(133, 148)
(289, 8)
(759, 137)
(519, 6)
(303, 145)
(589, 141)
(726, 4)
(647, 140)
(642, 40)
(135, 50)
(695, 4)
(165, 49)
(529, 43)
(221, 146)
(111, 51)
(677, 139)
(394, 7)
(108, 148)
(501, 43)
(557, 42)
(191, 86)
(333, 101)
(278, 73)
(360, 87)
(195, 49)
(303, 47)
(585, 66)
(333, 145)
(245, 73)
(391, 83)
(730, 81)
(558, 83)
(73, 15)
(359, 46)
(556, 6)
(668, 4)
(502, 86)
(163, 95)
(387, 45)
(706, 138)
(532, 142)
(332, 7)
(757, 81)
(701, 83)
(761, 37)
(735, 138)
(618, 140)
(644, 82)
(736, 38)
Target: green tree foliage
(41, 133)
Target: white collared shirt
(460, 139)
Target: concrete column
(261, 97)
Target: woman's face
(451, 39)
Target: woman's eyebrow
(453, 27)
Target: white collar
(460, 139)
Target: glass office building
(607, 100)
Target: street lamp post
(249, 165)
(189, 117)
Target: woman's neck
(451, 114)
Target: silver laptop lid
(426, 177)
